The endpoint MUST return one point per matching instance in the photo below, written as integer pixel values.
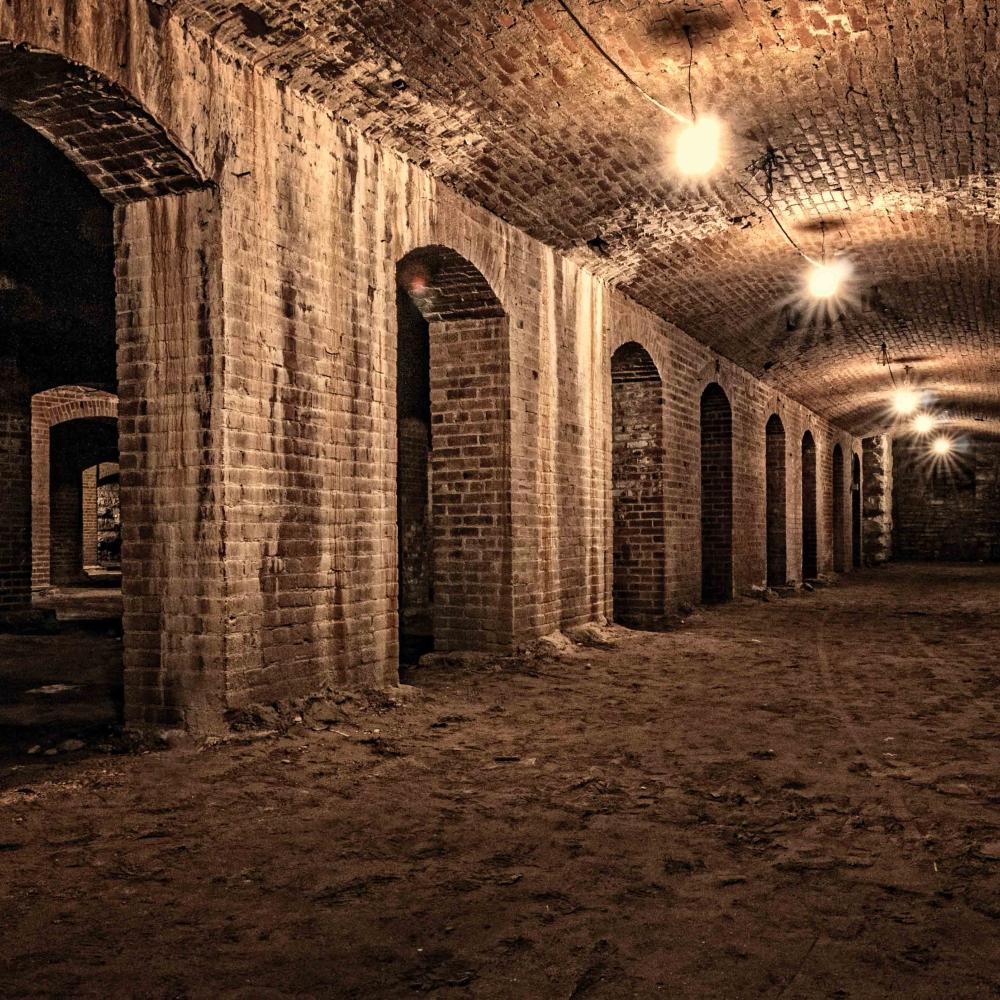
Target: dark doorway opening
(716, 496)
(637, 487)
(856, 553)
(810, 564)
(837, 509)
(777, 507)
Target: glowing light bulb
(905, 402)
(941, 446)
(924, 423)
(697, 151)
(825, 279)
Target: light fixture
(941, 446)
(697, 151)
(905, 401)
(924, 423)
(825, 280)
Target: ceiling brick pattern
(881, 116)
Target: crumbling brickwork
(716, 495)
(877, 491)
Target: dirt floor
(794, 799)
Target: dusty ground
(791, 799)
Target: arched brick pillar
(716, 495)
(49, 409)
(453, 416)
(776, 502)
(810, 554)
(169, 332)
(637, 487)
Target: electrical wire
(585, 31)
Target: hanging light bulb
(825, 280)
(941, 446)
(924, 423)
(698, 144)
(905, 401)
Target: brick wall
(776, 485)
(257, 338)
(947, 508)
(716, 495)
(50, 408)
(839, 511)
(89, 516)
(15, 489)
(637, 470)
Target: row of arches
(637, 491)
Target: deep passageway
(795, 797)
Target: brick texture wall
(810, 527)
(839, 511)
(257, 339)
(716, 495)
(947, 509)
(15, 488)
(89, 516)
(637, 471)
(776, 486)
(50, 408)
(877, 490)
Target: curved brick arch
(453, 408)
(638, 515)
(776, 501)
(52, 408)
(103, 130)
(446, 287)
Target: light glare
(825, 279)
(905, 401)
(697, 150)
(924, 423)
(941, 446)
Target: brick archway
(838, 501)
(103, 130)
(453, 472)
(716, 495)
(810, 539)
(637, 487)
(776, 486)
(167, 219)
(49, 409)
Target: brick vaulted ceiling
(883, 117)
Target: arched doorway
(637, 487)
(716, 495)
(776, 503)
(810, 564)
(856, 554)
(453, 470)
(838, 501)
(83, 170)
